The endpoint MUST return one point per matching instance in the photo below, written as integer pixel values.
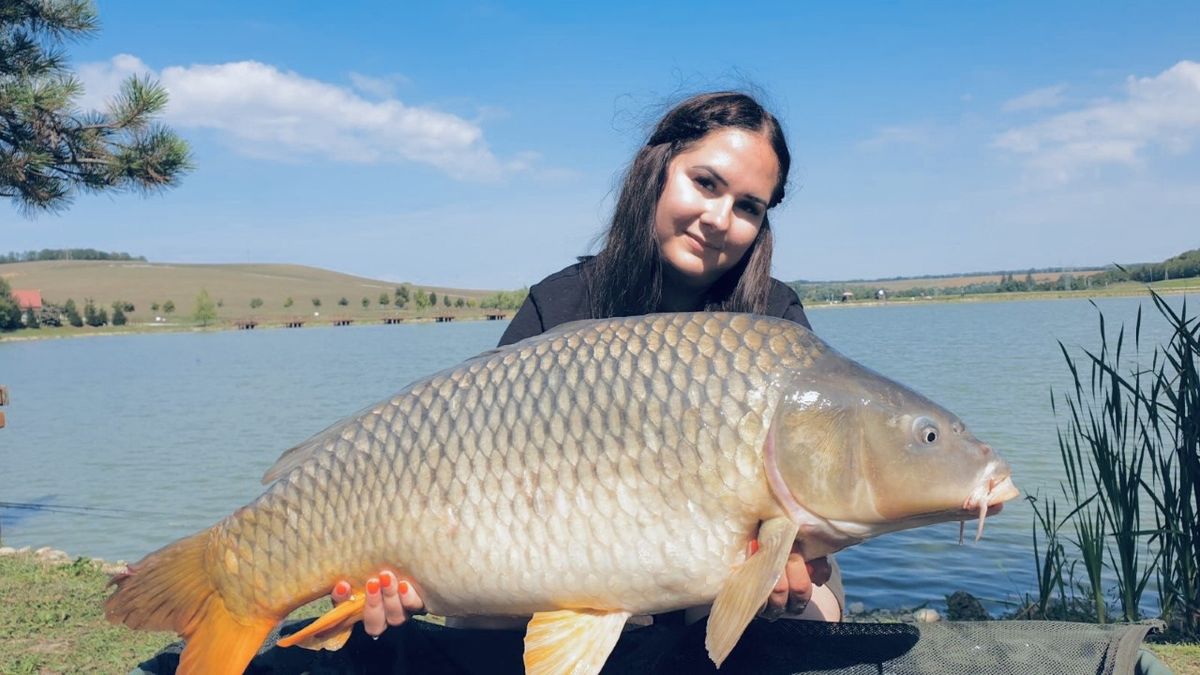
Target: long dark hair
(625, 278)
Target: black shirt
(563, 297)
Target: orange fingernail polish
(403, 587)
(342, 588)
(753, 546)
(385, 580)
(373, 586)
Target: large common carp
(600, 470)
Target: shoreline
(65, 332)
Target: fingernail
(341, 588)
(373, 586)
(385, 579)
(753, 546)
(402, 588)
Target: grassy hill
(232, 285)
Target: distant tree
(118, 317)
(343, 302)
(316, 302)
(205, 311)
(72, 313)
(402, 295)
(366, 302)
(433, 299)
(48, 151)
(1029, 282)
(10, 311)
(420, 299)
(384, 299)
(51, 315)
(168, 307)
(255, 303)
(460, 302)
(124, 305)
(221, 302)
(92, 316)
(446, 300)
(154, 307)
(288, 302)
(31, 319)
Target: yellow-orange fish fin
(749, 587)
(571, 641)
(331, 629)
(171, 589)
(222, 644)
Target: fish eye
(925, 430)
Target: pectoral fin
(749, 587)
(330, 630)
(571, 641)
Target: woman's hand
(389, 601)
(794, 589)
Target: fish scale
(604, 468)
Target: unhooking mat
(768, 648)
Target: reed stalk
(1133, 434)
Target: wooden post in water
(3, 401)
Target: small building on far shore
(27, 299)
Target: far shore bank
(275, 323)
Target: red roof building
(27, 299)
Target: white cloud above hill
(1154, 113)
(267, 112)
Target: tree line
(67, 254)
(1184, 265)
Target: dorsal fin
(302, 452)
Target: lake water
(128, 442)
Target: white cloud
(1155, 112)
(266, 112)
(1046, 97)
(378, 87)
(896, 135)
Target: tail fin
(171, 589)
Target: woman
(689, 233)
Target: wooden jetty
(293, 323)
(392, 320)
(444, 318)
(343, 322)
(246, 324)
(497, 317)
(3, 402)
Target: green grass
(53, 621)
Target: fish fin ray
(330, 630)
(171, 589)
(749, 587)
(571, 641)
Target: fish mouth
(986, 500)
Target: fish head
(859, 450)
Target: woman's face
(713, 203)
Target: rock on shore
(56, 558)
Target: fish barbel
(600, 470)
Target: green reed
(1119, 423)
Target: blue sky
(477, 144)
